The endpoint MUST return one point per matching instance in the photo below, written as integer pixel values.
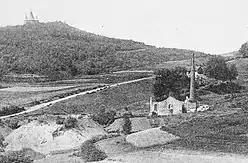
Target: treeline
(58, 50)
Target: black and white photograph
(123, 81)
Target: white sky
(211, 26)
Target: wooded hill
(58, 50)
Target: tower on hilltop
(31, 19)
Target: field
(132, 95)
(30, 94)
(23, 96)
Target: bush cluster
(104, 117)
(13, 123)
(89, 152)
(127, 127)
(60, 120)
(217, 68)
(1, 140)
(7, 110)
(70, 122)
(16, 157)
(224, 88)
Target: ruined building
(174, 106)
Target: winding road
(40, 106)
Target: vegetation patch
(7, 110)
(114, 98)
(60, 120)
(222, 133)
(104, 117)
(89, 152)
(127, 126)
(13, 123)
(23, 156)
(70, 122)
(223, 88)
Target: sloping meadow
(114, 98)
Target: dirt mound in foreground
(39, 136)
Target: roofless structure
(173, 106)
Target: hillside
(58, 50)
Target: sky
(210, 26)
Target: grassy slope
(115, 98)
(24, 98)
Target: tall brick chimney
(192, 80)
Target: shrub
(89, 152)
(127, 127)
(154, 122)
(104, 117)
(7, 110)
(1, 140)
(127, 115)
(13, 124)
(224, 88)
(70, 122)
(60, 120)
(16, 157)
(154, 114)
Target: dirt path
(40, 106)
(128, 51)
(139, 71)
(173, 156)
(36, 89)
